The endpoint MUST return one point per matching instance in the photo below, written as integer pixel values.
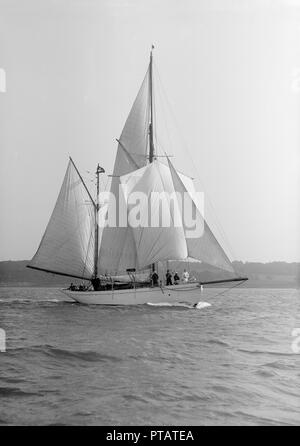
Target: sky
(228, 72)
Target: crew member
(176, 279)
(154, 278)
(185, 276)
(168, 278)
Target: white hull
(184, 293)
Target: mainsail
(117, 250)
(67, 246)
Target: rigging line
(82, 182)
(78, 220)
(147, 117)
(58, 273)
(105, 184)
(158, 144)
(164, 114)
(87, 253)
(228, 289)
(218, 223)
(127, 153)
(160, 96)
(154, 117)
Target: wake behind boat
(105, 240)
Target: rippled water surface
(228, 363)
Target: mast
(151, 143)
(96, 253)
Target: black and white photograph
(150, 215)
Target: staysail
(67, 246)
(165, 190)
(155, 235)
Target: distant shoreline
(277, 275)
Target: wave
(88, 355)
(132, 397)
(277, 365)
(265, 373)
(30, 301)
(15, 391)
(49, 350)
(220, 389)
(259, 419)
(197, 306)
(201, 305)
(218, 342)
(18, 300)
(265, 352)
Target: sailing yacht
(118, 259)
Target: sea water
(235, 362)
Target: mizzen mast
(96, 253)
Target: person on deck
(96, 282)
(176, 279)
(154, 278)
(168, 278)
(185, 276)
